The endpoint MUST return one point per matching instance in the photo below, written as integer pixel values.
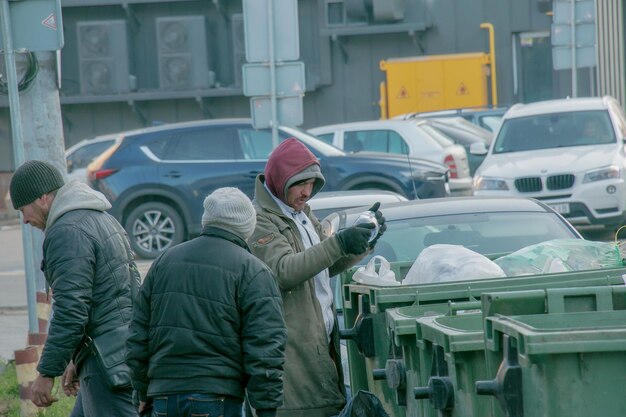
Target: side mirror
(478, 148)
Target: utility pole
(34, 27)
(43, 140)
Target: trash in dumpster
(561, 255)
(447, 263)
(368, 275)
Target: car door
(202, 159)
(374, 140)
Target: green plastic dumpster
(370, 346)
(456, 347)
(404, 371)
(444, 356)
(553, 300)
(560, 364)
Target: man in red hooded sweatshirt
(289, 239)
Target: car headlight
(330, 225)
(602, 174)
(486, 183)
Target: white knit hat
(230, 209)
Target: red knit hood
(286, 161)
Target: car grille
(553, 182)
(528, 185)
(560, 182)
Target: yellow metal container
(434, 82)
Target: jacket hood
(289, 163)
(75, 196)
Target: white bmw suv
(568, 153)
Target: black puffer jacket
(209, 319)
(86, 261)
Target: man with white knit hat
(208, 322)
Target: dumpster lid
(454, 333)
(542, 334)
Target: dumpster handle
(463, 306)
(440, 391)
(507, 386)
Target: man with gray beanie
(208, 322)
(289, 239)
(88, 264)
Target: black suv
(157, 178)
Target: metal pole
(18, 156)
(574, 68)
(492, 62)
(274, 121)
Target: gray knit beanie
(230, 209)
(33, 179)
(310, 172)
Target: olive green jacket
(313, 378)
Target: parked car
(80, 155)
(457, 130)
(327, 202)
(568, 153)
(156, 178)
(491, 226)
(402, 137)
(487, 118)
(465, 125)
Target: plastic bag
(561, 255)
(363, 404)
(368, 275)
(448, 263)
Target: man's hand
(354, 240)
(42, 391)
(70, 382)
(145, 408)
(381, 223)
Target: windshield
(555, 130)
(312, 142)
(441, 138)
(485, 233)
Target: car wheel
(152, 228)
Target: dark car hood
(393, 159)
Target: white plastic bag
(368, 275)
(448, 263)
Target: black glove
(381, 223)
(354, 240)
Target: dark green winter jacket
(209, 319)
(86, 262)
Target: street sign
(289, 111)
(284, 18)
(585, 35)
(36, 25)
(573, 34)
(584, 11)
(562, 57)
(289, 79)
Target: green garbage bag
(561, 255)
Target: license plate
(562, 208)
